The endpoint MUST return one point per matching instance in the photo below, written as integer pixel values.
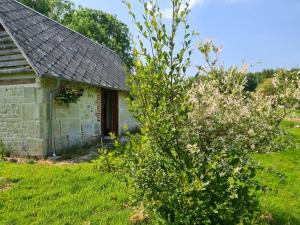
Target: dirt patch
(267, 217)
(20, 160)
(6, 187)
(294, 119)
(7, 184)
(74, 160)
(58, 160)
(139, 216)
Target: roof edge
(19, 47)
(85, 83)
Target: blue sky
(262, 33)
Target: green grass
(53, 194)
(78, 195)
(281, 177)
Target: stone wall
(21, 110)
(24, 117)
(76, 124)
(125, 116)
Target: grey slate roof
(56, 51)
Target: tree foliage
(55, 9)
(282, 85)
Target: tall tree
(60, 8)
(103, 28)
(55, 9)
(41, 6)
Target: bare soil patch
(58, 160)
(6, 187)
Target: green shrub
(108, 161)
(191, 163)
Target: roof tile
(54, 50)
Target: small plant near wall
(3, 152)
(69, 95)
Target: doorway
(109, 112)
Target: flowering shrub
(68, 95)
(287, 84)
(191, 163)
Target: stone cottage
(58, 89)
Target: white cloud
(169, 11)
(193, 3)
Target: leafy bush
(191, 163)
(3, 151)
(288, 92)
(121, 155)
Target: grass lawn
(56, 194)
(78, 195)
(281, 175)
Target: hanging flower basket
(69, 95)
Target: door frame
(114, 104)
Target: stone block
(56, 127)
(37, 147)
(74, 125)
(43, 112)
(30, 112)
(42, 96)
(29, 94)
(43, 132)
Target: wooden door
(109, 112)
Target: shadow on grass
(274, 217)
(6, 184)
